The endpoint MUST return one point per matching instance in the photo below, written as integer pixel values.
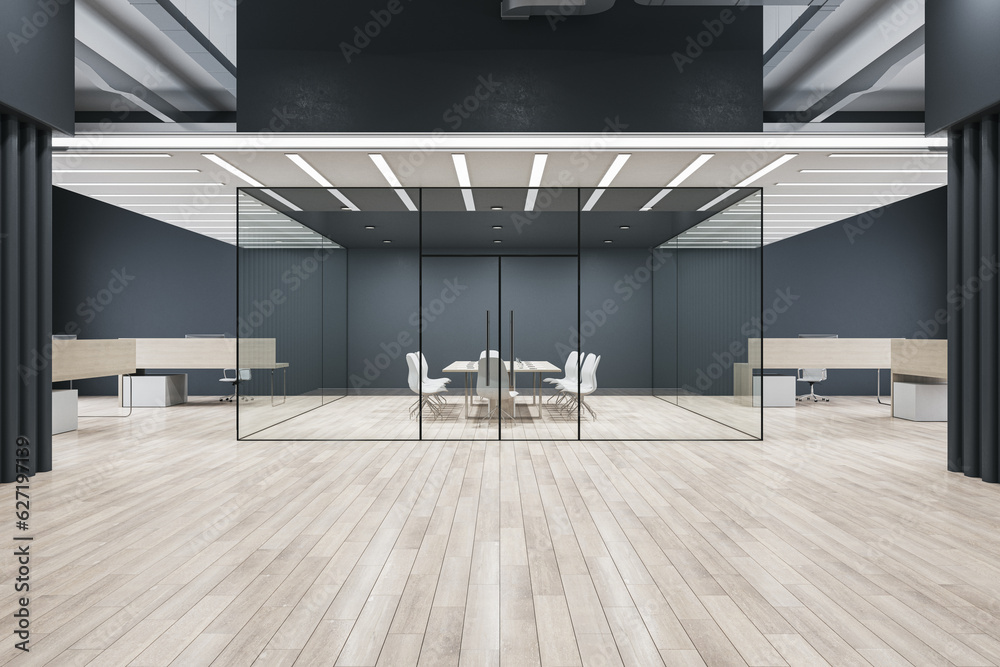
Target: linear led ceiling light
(462, 171)
(116, 156)
(535, 180)
(233, 170)
(767, 170)
(889, 155)
(857, 184)
(274, 195)
(321, 179)
(390, 177)
(70, 184)
(873, 171)
(724, 196)
(126, 171)
(680, 178)
(609, 176)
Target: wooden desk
(82, 359)
(536, 368)
(927, 359)
(169, 353)
(873, 353)
(209, 353)
(910, 360)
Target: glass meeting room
(499, 313)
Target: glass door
(538, 297)
(460, 340)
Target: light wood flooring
(619, 417)
(840, 539)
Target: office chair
(238, 377)
(569, 374)
(812, 375)
(425, 392)
(498, 388)
(587, 385)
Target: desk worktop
(524, 367)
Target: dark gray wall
(541, 291)
(878, 275)
(611, 292)
(963, 60)
(117, 274)
(284, 295)
(718, 297)
(382, 309)
(455, 66)
(36, 59)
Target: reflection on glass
(374, 313)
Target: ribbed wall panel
(973, 252)
(25, 295)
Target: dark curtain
(973, 204)
(25, 297)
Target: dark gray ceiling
(447, 226)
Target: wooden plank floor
(840, 539)
(620, 417)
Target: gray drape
(973, 252)
(25, 296)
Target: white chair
(497, 390)
(569, 375)
(429, 381)
(812, 376)
(586, 386)
(424, 391)
(243, 375)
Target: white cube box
(64, 410)
(776, 391)
(154, 391)
(920, 402)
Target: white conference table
(535, 368)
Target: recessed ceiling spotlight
(496, 208)
(387, 241)
(624, 227)
(497, 226)
(369, 226)
(497, 241)
(345, 208)
(608, 241)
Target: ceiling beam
(107, 76)
(871, 78)
(174, 24)
(810, 19)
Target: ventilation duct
(522, 9)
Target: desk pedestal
(64, 410)
(154, 391)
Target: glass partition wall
(498, 313)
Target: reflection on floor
(840, 539)
(387, 418)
